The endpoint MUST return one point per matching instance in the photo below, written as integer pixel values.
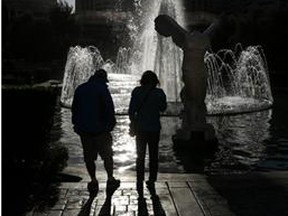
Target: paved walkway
(181, 195)
(177, 196)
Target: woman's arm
(162, 101)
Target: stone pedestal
(202, 142)
(196, 152)
(206, 129)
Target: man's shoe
(93, 188)
(112, 185)
(142, 207)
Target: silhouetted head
(102, 74)
(149, 78)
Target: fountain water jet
(237, 83)
(238, 80)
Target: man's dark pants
(94, 144)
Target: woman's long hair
(149, 78)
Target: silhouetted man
(93, 117)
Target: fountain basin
(236, 105)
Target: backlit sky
(71, 2)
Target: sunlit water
(238, 79)
(246, 140)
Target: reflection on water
(243, 143)
(242, 140)
(123, 144)
(246, 141)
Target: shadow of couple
(157, 206)
(106, 208)
(142, 205)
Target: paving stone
(70, 185)
(101, 193)
(150, 208)
(188, 194)
(148, 201)
(60, 204)
(185, 202)
(160, 185)
(97, 210)
(125, 213)
(133, 200)
(128, 185)
(63, 193)
(129, 192)
(74, 203)
(121, 208)
(84, 193)
(167, 204)
(120, 200)
(55, 213)
(71, 212)
(100, 201)
(132, 208)
(40, 214)
(73, 192)
(178, 184)
(163, 191)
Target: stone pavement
(181, 195)
(177, 196)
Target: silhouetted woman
(147, 101)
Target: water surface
(256, 140)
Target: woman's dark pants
(152, 140)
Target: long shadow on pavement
(85, 210)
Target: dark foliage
(39, 39)
(256, 26)
(30, 163)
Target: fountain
(238, 79)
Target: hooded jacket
(93, 108)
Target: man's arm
(132, 106)
(74, 107)
(109, 112)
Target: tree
(64, 27)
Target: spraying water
(238, 79)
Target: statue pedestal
(200, 140)
(207, 131)
(196, 152)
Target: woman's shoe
(93, 187)
(139, 187)
(151, 187)
(150, 184)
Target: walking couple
(93, 117)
